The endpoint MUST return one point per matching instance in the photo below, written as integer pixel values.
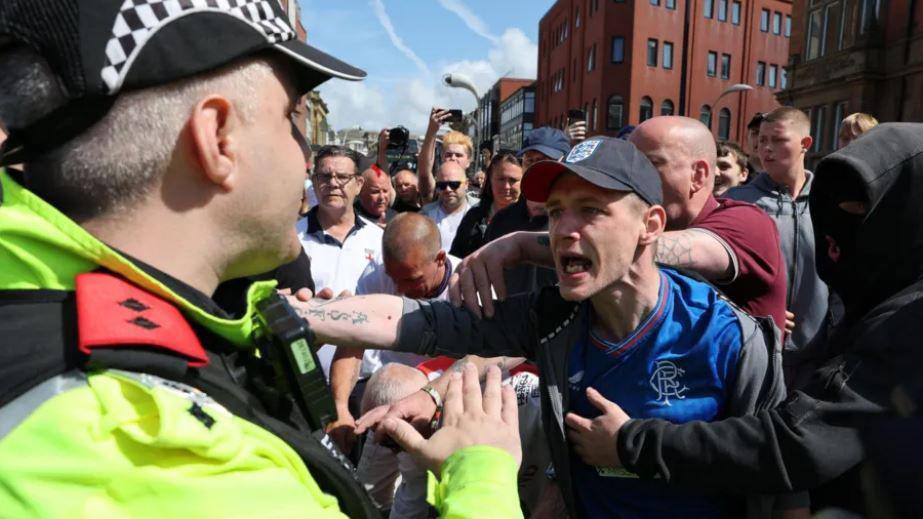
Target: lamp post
(733, 89)
(462, 81)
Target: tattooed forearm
(318, 303)
(544, 240)
(675, 250)
(333, 315)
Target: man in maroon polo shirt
(735, 245)
(732, 244)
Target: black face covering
(844, 229)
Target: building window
(724, 124)
(773, 70)
(529, 105)
(788, 25)
(817, 127)
(647, 109)
(666, 108)
(783, 78)
(725, 66)
(591, 59)
(829, 16)
(722, 10)
(616, 113)
(839, 114)
(618, 49)
(777, 23)
(577, 18)
(869, 14)
(671, 4)
(655, 2)
(760, 73)
(709, 8)
(652, 53)
(667, 55)
(735, 13)
(843, 13)
(710, 71)
(764, 20)
(705, 115)
(815, 30)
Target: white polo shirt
(375, 281)
(336, 265)
(447, 223)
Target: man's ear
(701, 176)
(655, 221)
(440, 258)
(213, 126)
(806, 142)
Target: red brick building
(855, 56)
(625, 61)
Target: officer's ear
(213, 125)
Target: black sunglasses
(448, 184)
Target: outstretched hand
(469, 419)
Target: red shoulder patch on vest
(111, 312)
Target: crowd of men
(649, 325)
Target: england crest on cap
(583, 151)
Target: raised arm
(427, 157)
(353, 322)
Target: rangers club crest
(583, 151)
(665, 381)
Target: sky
(406, 46)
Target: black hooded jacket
(813, 441)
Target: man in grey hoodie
(782, 190)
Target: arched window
(705, 115)
(647, 109)
(615, 118)
(666, 108)
(724, 124)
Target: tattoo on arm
(675, 250)
(544, 240)
(334, 315)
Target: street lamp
(733, 89)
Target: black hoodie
(812, 441)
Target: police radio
(284, 341)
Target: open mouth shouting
(573, 266)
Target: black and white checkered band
(138, 20)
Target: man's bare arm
(353, 322)
(427, 156)
(698, 251)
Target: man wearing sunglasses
(340, 244)
(452, 201)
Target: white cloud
(379, 8)
(377, 104)
(471, 20)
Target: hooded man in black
(868, 222)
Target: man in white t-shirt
(415, 266)
(341, 245)
(452, 201)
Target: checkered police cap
(99, 48)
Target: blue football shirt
(677, 365)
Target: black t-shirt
(471, 230)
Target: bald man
(415, 265)
(374, 200)
(452, 201)
(733, 244)
(406, 187)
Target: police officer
(159, 159)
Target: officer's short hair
(112, 165)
